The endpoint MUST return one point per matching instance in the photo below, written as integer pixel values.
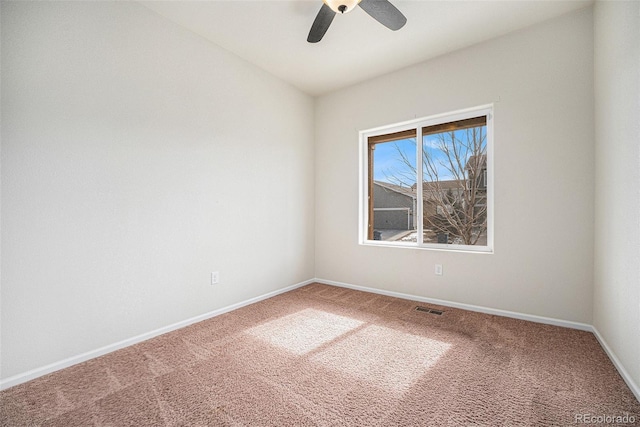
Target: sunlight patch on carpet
(388, 359)
(304, 331)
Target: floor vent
(429, 310)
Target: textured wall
(617, 219)
(137, 158)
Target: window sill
(449, 248)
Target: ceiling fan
(380, 10)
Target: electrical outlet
(438, 270)
(215, 278)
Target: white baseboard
(616, 362)
(74, 360)
(38, 372)
(477, 308)
(529, 317)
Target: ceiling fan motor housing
(342, 6)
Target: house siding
(399, 219)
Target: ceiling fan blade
(385, 13)
(321, 24)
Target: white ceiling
(272, 34)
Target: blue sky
(389, 167)
(387, 164)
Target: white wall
(541, 81)
(617, 218)
(136, 159)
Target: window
(433, 194)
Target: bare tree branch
(454, 204)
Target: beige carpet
(327, 356)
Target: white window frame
(418, 124)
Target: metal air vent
(429, 310)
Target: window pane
(454, 182)
(392, 187)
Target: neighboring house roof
(429, 189)
(472, 161)
(405, 191)
(436, 190)
(452, 184)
